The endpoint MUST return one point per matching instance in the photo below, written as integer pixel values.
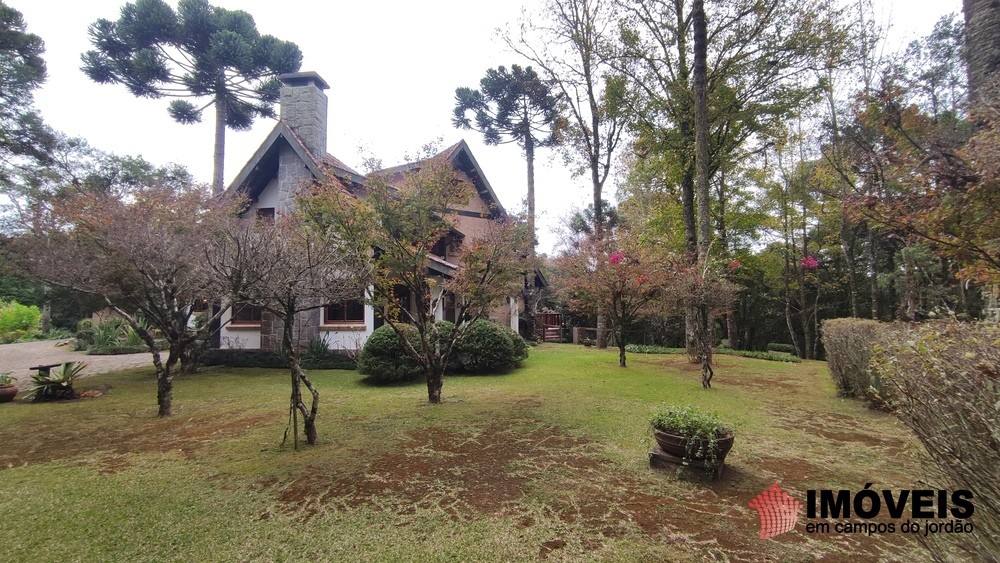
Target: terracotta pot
(7, 393)
(677, 446)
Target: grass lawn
(549, 461)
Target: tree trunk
(165, 382)
(435, 381)
(873, 273)
(733, 332)
(982, 50)
(220, 145)
(529, 155)
(699, 28)
(700, 75)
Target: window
(244, 314)
(266, 214)
(450, 307)
(345, 312)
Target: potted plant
(8, 388)
(690, 436)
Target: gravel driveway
(17, 358)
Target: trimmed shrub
(652, 349)
(115, 350)
(849, 343)
(486, 347)
(256, 358)
(18, 321)
(384, 358)
(780, 347)
(757, 355)
(946, 380)
(243, 358)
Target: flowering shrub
(809, 263)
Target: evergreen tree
(199, 51)
(518, 105)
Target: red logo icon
(778, 511)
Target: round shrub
(384, 357)
(489, 347)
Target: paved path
(17, 358)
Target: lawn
(548, 461)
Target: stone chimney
(303, 108)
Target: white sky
(393, 66)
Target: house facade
(292, 158)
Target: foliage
(651, 349)
(944, 377)
(565, 44)
(5, 379)
(57, 384)
(621, 278)
(488, 347)
(516, 104)
(780, 347)
(198, 51)
(699, 427)
(22, 70)
(758, 355)
(116, 350)
(18, 321)
(256, 358)
(384, 357)
(290, 267)
(318, 355)
(849, 344)
(140, 247)
(401, 218)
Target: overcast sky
(393, 66)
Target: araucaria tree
(403, 216)
(22, 69)
(200, 51)
(513, 106)
(144, 251)
(289, 267)
(567, 47)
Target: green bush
(781, 347)
(650, 349)
(758, 355)
(18, 321)
(57, 384)
(385, 359)
(487, 347)
(256, 358)
(849, 343)
(945, 378)
(116, 350)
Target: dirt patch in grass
(57, 440)
(541, 476)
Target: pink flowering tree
(620, 278)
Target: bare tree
(291, 267)
(142, 250)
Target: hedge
(849, 343)
(256, 358)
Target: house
(293, 156)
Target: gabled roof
(460, 155)
(263, 165)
